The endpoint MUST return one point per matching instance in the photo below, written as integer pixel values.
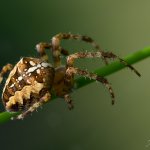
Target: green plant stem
(104, 71)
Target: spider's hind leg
(34, 106)
(4, 70)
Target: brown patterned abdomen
(29, 80)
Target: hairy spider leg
(72, 70)
(41, 50)
(68, 100)
(4, 70)
(34, 106)
(111, 55)
(71, 58)
(40, 47)
(57, 48)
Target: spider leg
(111, 55)
(57, 39)
(41, 50)
(4, 70)
(34, 106)
(67, 99)
(84, 38)
(71, 71)
(71, 58)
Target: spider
(32, 81)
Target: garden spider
(32, 80)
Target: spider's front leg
(57, 39)
(98, 54)
(71, 71)
(34, 106)
(4, 70)
(56, 48)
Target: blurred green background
(120, 26)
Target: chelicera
(32, 81)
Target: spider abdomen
(29, 80)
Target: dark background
(119, 26)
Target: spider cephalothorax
(32, 80)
